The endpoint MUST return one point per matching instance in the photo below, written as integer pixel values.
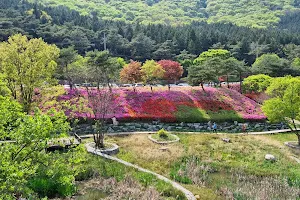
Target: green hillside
(252, 13)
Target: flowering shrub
(180, 104)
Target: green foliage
(102, 68)
(256, 83)
(212, 64)
(162, 133)
(152, 72)
(251, 13)
(285, 102)
(270, 64)
(212, 53)
(57, 175)
(27, 64)
(20, 160)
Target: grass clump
(163, 136)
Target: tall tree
(67, 56)
(142, 47)
(152, 72)
(131, 73)
(284, 103)
(258, 49)
(271, 64)
(27, 64)
(173, 70)
(202, 72)
(102, 68)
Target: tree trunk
(151, 88)
(241, 91)
(298, 135)
(202, 87)
(169, 87)
(227, 77)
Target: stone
(138, 125)
(257, 126)
(110, 130)
(115, 121)
(227, 140)
(189, 124)
(197, 126)
(169, 128)
(270, 157)
(236, 123)
(181, 124)
(197, 197)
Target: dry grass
(126, 189)
(140, 150)
(253, 187)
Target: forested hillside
(250, 13)
(65, 27)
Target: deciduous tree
(173, 70)
(131, 73)
(152, 72)
(284, 106)
(257, 83)
(27, 64)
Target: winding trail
(189, 195)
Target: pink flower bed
(163, 104)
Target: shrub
(162, 133)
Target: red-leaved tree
(173, 70)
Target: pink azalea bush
(165, 105)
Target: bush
(48, 186)
(162, 133)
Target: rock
(270, 157)
(227, 140)
(169, 128)
(236, 123)
(257, 126)
(181, 124)
(115, 122)
(110, 130)
(197, 126)
(197, 196)
(138, 125)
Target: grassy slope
(253, 13)
(244, 154)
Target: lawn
(214, 169)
